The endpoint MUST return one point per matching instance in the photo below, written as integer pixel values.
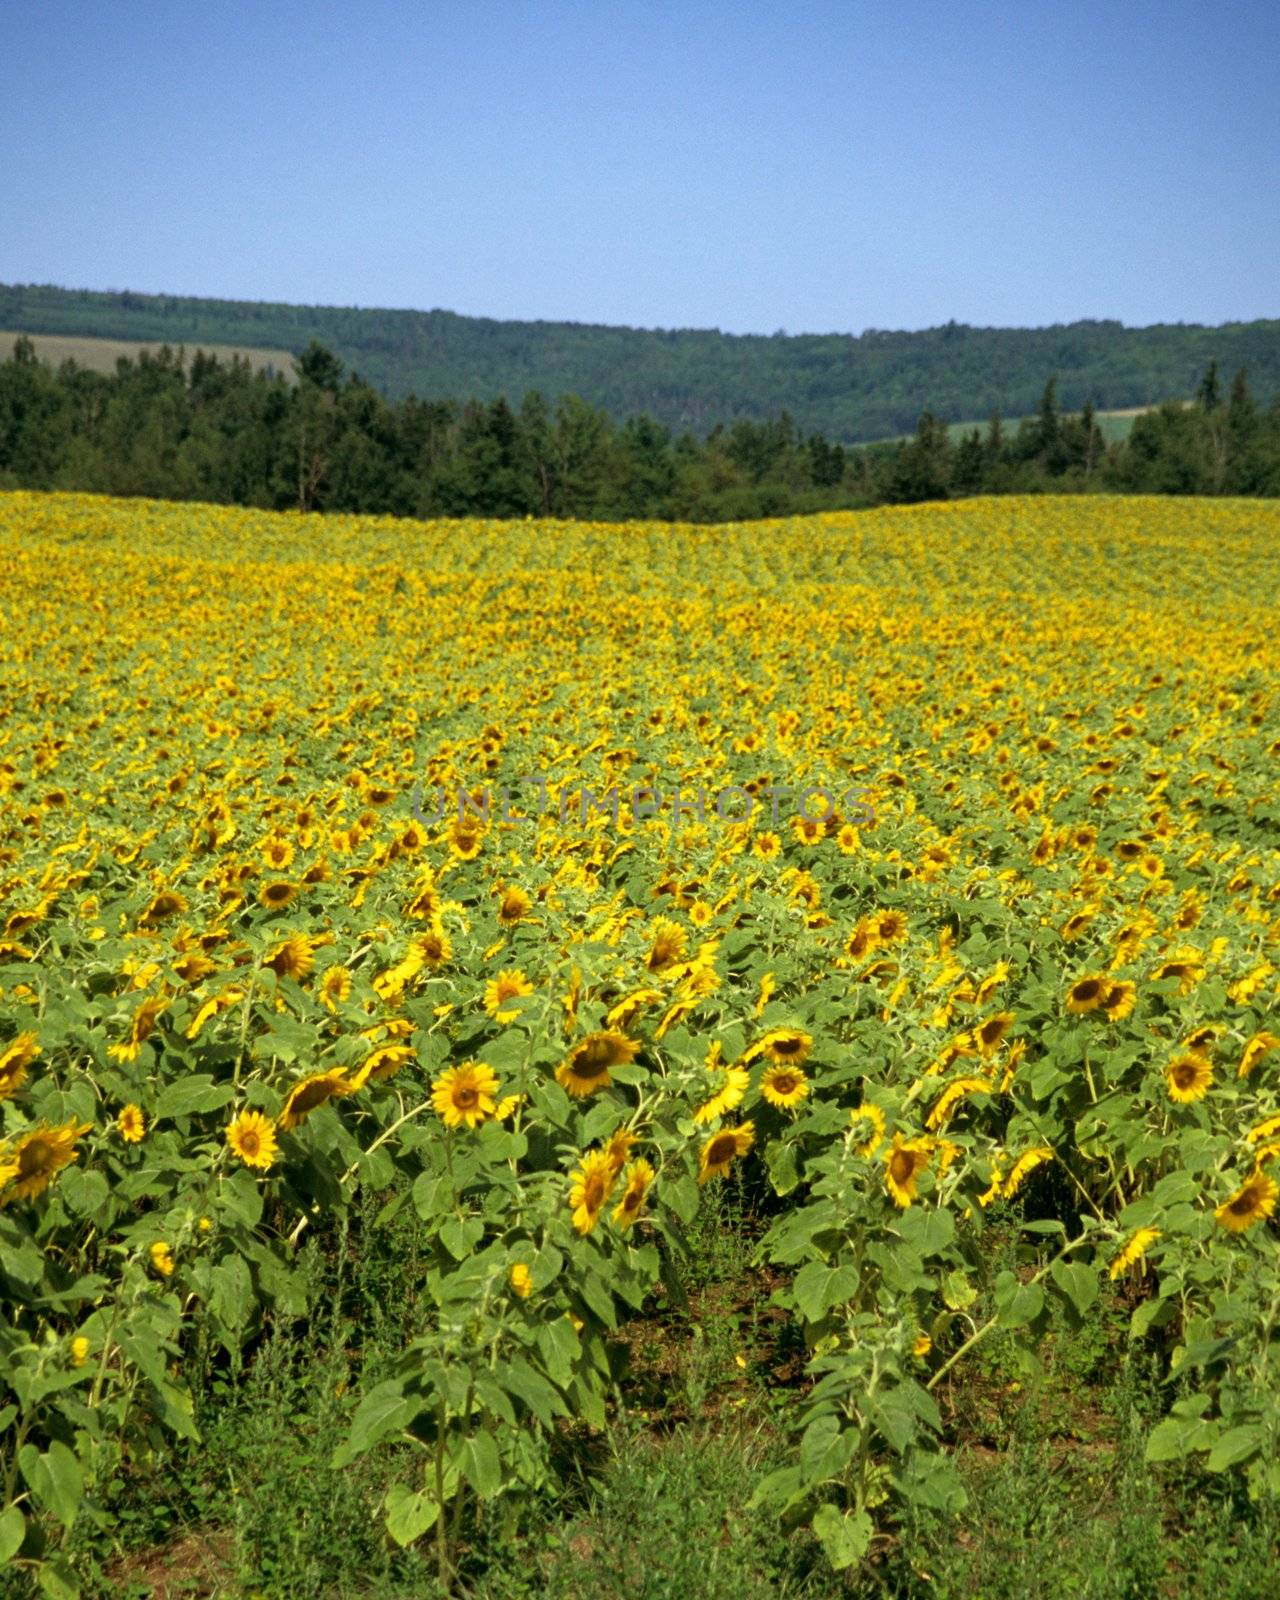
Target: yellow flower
(636, 1184)
(510, 984)
(721, 1148)
(516, 905)
(1088, 993)
(1024, 1166)
(253, 1138)
(589, 1189)
(784, 1087)
(465, 1094)
(161, 1258)
(904, 1161)
(1119, 1000)
(734, 1082)
(789, 1047)
(79, 1350)
(275, 896)
(335, 986)
(141, 1027)
(131, 1124)
(521, 1280)
(37, 1157)
(873, 1118)
(586, 1068)
(1188, 1078)
(944, 1106)
(989, 1035)
(15, 1060)
(1260, 1045)
(1252, 1201)
(1133, 1251)
(310, 1093)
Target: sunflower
(164, 905)
(1133, 1251)
(1188, 1078)
(510, 984)
(381, 1064)
(619, 1149)
(131, 1124)
(904, 1161)
(515, 907)
(635, 1186)
(1024, 1166)
(862, 941)
(277, 853)
(335, 986)
(1119, 1000)
(848, 840)
(767, 846)
(1251, 1202)
(17, 1057)
(1260, 1045)
(466, 836)
(276, 895)
(721, 1148)
(293, 958)
(789, 1047)
(628, 1008)
(784, 1086)
(142, 1025)
(310, 1093)
(945, 1105)
(734, 1082)
(1088, 993)
(161, 1258)
(434, 947)
(586, 1068)
(1077, 922)
(589, 1188)
(871, 1118)
(253, 1138)
(37, 1158)
(212, 1008)
(521, 1280)
(465, 1094)
(989, 1035)
(667, 946)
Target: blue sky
(810, 166)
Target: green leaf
(58, 1482)
(481, 1465)
(1236, 1446)
(460, 1235)
(384, 1410)
(408, 1514)
(13, 1529)
(780, 1159)
(845, 1536)
(197, 1093)
(818, 1287)
(1077, 1282)
(1017, 1303)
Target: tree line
(169, 427)
(849, 387)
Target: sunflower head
(1188, 1077)
(904, 1161)
(253, 1138)
(640, 1176)
(1087, 993)
(310, 1093)
(589, 1188)
(131, 1124)
(466, 1094)
(784, 1087)
(722, 1148)
(586, 1068)
(1252, 1201)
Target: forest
(849, 388)
(170, 427)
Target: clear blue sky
(748, 166)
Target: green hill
(870, 386)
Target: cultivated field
(833, 1148)
(101, 355)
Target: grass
(1060, 1498)
(101, 355)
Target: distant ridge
(849, 387)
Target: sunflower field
(905, 866)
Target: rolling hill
(869, 386)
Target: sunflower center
(250, 1144)
(784, 1082)
(902, 1166)
(35, 1159)
(721, 1149)
(466, 1096)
